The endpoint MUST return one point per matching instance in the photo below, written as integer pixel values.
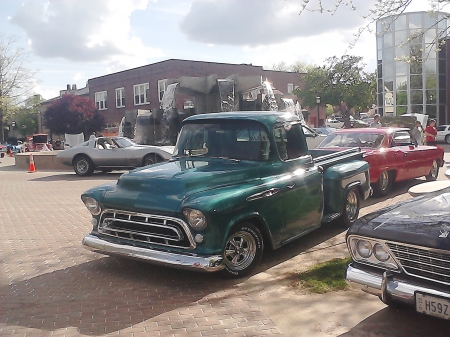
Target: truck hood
(161, 188)
(422, 221)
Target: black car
(401, 253)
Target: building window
(161, 88)
(141, 94)
(290, 88)
(100, 100)
(120, 97)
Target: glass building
(412, 65)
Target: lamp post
(318, 104)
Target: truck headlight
(195, 218)
(92, 205)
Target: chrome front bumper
(181, 261)
(387, 287)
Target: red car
(391, 154)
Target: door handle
(290, 186)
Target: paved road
(51, 286)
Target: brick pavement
(51, 286)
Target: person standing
(376, 122)
(417, 133)
(431, 133)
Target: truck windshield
(243, 141)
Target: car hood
(422, 221)
(162, 187)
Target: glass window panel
(379, 54)
(431, 111)
(430, 82)
(401, 97)
(389, 85)
(387, 39)
(430, 50)
(416, 36)
(430, 36)
(431, 21)
(418, 109)
(380, 69)
(442, 97)
(442, 66)
(380, 100)
(388, 54)
(400, 37)
(400, 23)
(401, 68)
(442, 21)
(441, 81)
(389, 69)
(401, 83)
(415, 67)
(430, 66)
(431, 96)
(442, 115)
(401, 51)
(416, 82)
(416, 97)
(380, 85)
(400, 110)
(415, 20)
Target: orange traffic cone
(10, 152)
(32, 167)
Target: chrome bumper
(181, 261)
(387, 287)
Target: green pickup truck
(237, 183)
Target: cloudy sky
(70, 41)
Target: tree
(16, 81)
(383, 9)
(73, 114)
(297, 67)
(342, 82)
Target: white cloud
(84, 30)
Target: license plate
(433, 305)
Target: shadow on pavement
(400, 322)
(107, 295)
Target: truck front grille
(147, 228)
(423, 262)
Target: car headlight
(195, 218)
(380, 253)
(92, 205)
(364, 248)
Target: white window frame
(140, 93)
(120, 97)
(290, 88)
(161, 88)
(100, 100)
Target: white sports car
(112, 153)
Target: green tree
(73, 114)
(16, 80)
(341, 82)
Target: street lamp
(318, 104)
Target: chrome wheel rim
(351, 207)
(384, 181)
(82, 166)
(240, 251)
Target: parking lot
(51, 286)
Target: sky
(71, 41)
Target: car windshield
(368, 140)
(243, 141)
(124, 142)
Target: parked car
(391, 154)
(112, 153)
(443, 134)
(324, 130)
(401, 253)
(238, 182)
(334, 123)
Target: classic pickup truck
(237, 182)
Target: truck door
(302, 190)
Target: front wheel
(243, 250)
(83, 166)
(434, 172)
(447, 139)
(383, 184)
(150, 159)
(351, 207)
